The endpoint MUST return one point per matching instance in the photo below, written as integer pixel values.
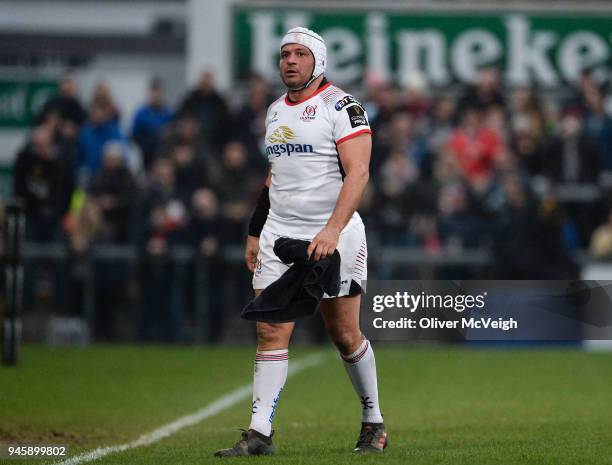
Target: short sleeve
(349, 119)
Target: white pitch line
(210, 410)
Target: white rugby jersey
(301, 146)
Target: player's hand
(324, 244)
(250, 254)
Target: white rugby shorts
(352, 248)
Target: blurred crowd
(184, 175)
(521, 173)
(524, 174)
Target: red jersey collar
(318, 91)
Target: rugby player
(318, 143)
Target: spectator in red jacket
(476, 148)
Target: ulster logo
(281, 135)
(309, 113)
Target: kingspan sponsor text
(288, 149)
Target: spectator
(87, 226)
(404, 137)
(163, 215)
(186, 131)
(485, 93)
(250, 124)
(149, 122)
(207, 235)
(495, 119)
(381, 106)
(84, 230)
(206, 225)
(572, 164)
(446, 167)
(67, 136)
(586, 84)
(441, 123)
(208, 107)
(601, 242)
(37, 177)
(113, 189)
(102, 127)
(111, 276)
(525, 145)
(528, 241)
(373, 83)
(162, 225)
(598, 126)
(526, 106)
(236, 184)
(66, 104)
(191, 171)
(400, 194)
(102, 93)
(476, 148)
(416, 95)
(460, 226)
(570, 157)
(105, 217)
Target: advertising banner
(20, 101)
(543, 49)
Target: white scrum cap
(314, 42)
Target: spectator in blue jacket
(598, 126)
(149, 122)
(102, 127)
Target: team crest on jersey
(281, 135)
(309, 113)
(273, 117)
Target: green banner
(20, 101)
(544, 49)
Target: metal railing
(183, 256)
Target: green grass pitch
(441, 405)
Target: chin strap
(310, 81)
(312, 78)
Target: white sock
(361, 368)
(268, 381)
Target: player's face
(296, 65)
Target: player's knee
(346, 340)
(270, 335)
